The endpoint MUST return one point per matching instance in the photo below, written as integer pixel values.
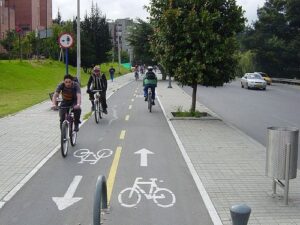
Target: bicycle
(98, 106)
(149, 99)
(131, 196)
(67, 131)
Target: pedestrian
(112, 73)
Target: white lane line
(206, 199)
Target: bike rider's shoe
(105, 111)
(146, 99)
(153, 103)
(76, 127)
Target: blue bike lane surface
(152, 183)
(62, 191)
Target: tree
(275, 38)
(139, 39)
(195, 40)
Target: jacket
(150, 79)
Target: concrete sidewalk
(227, 165)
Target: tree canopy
(275, 38)
(196, 39)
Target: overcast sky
(120, 9)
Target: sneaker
(153, 103)
(76, 127)
(105, 111)
(146, 99)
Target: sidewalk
(230, 164)
(227, 165)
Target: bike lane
(62, 191)
(152, 182)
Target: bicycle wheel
(64, 140)
(150, 101)
(97, 109)
(100, 110)
(72, 134)
(129, 201)
(163, 197)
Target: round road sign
(65, 40)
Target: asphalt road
(253, 111)
(162, 188)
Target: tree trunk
(194, 97)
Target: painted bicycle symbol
(131, 196)
(90, 157)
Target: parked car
(266, 77)
(253, 80)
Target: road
(129, 146)
(253, 111)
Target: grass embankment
(23, 84)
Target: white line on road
(207, 201)
(144, 156)
(68, 200)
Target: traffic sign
(66, 40)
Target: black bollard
(240, 214)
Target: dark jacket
(97, 83)
(150, 79)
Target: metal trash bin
(278, 139)
(282, 155)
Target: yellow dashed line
(112, 173)
(130, 107)
(122, 135)
(127, 117)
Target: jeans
(62, 112)
(152, 89)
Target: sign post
(66, 41)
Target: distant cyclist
(150, 81)
(71, 97)
(97, 82)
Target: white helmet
(150, 68)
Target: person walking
(112, 73)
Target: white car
(253, 80)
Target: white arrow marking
(68, 200)
(144, 156)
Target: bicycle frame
(153, 187)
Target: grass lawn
(23, 84)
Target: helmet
(150, 68)
(96, 69)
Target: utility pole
(78, 41)
(119, 33)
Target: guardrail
(100, 199)
(286, 81)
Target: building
(29, 15)
(120, 29)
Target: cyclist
(97, 82)
(71, 97)
(150, 81)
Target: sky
(120, 9)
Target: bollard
(240, 214)
(100, 199)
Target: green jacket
(150, 79)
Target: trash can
(278, 139)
